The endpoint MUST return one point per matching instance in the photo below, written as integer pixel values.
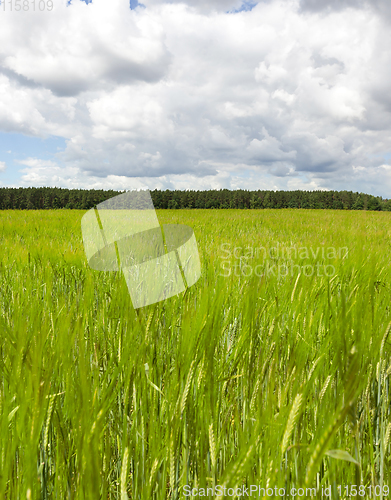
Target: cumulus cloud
(320, 5)
(80, 47)
(191, 94)
(3, 166)
(381, 7)
(207, 6)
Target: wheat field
(272, 370)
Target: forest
(32, 198)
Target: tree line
(83, 199)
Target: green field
(249, 378)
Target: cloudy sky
(197, 94)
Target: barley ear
(124, 469)
(292, 421)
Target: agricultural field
(272, 371)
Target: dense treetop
(55, 198)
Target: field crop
(273, 370)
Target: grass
(243, 380)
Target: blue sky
(18, 147)
(134, 4)
(205, 94)
(245, 7)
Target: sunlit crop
(250, 377)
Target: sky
(206, 94)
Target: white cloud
(203, 6)
(3, 166)
(84, 47)
(185, 94)
(269, 150)
(278, 176)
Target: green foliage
(56, 198)
(243, 379)
(358, 204)
(373, 204)
(172, 204)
